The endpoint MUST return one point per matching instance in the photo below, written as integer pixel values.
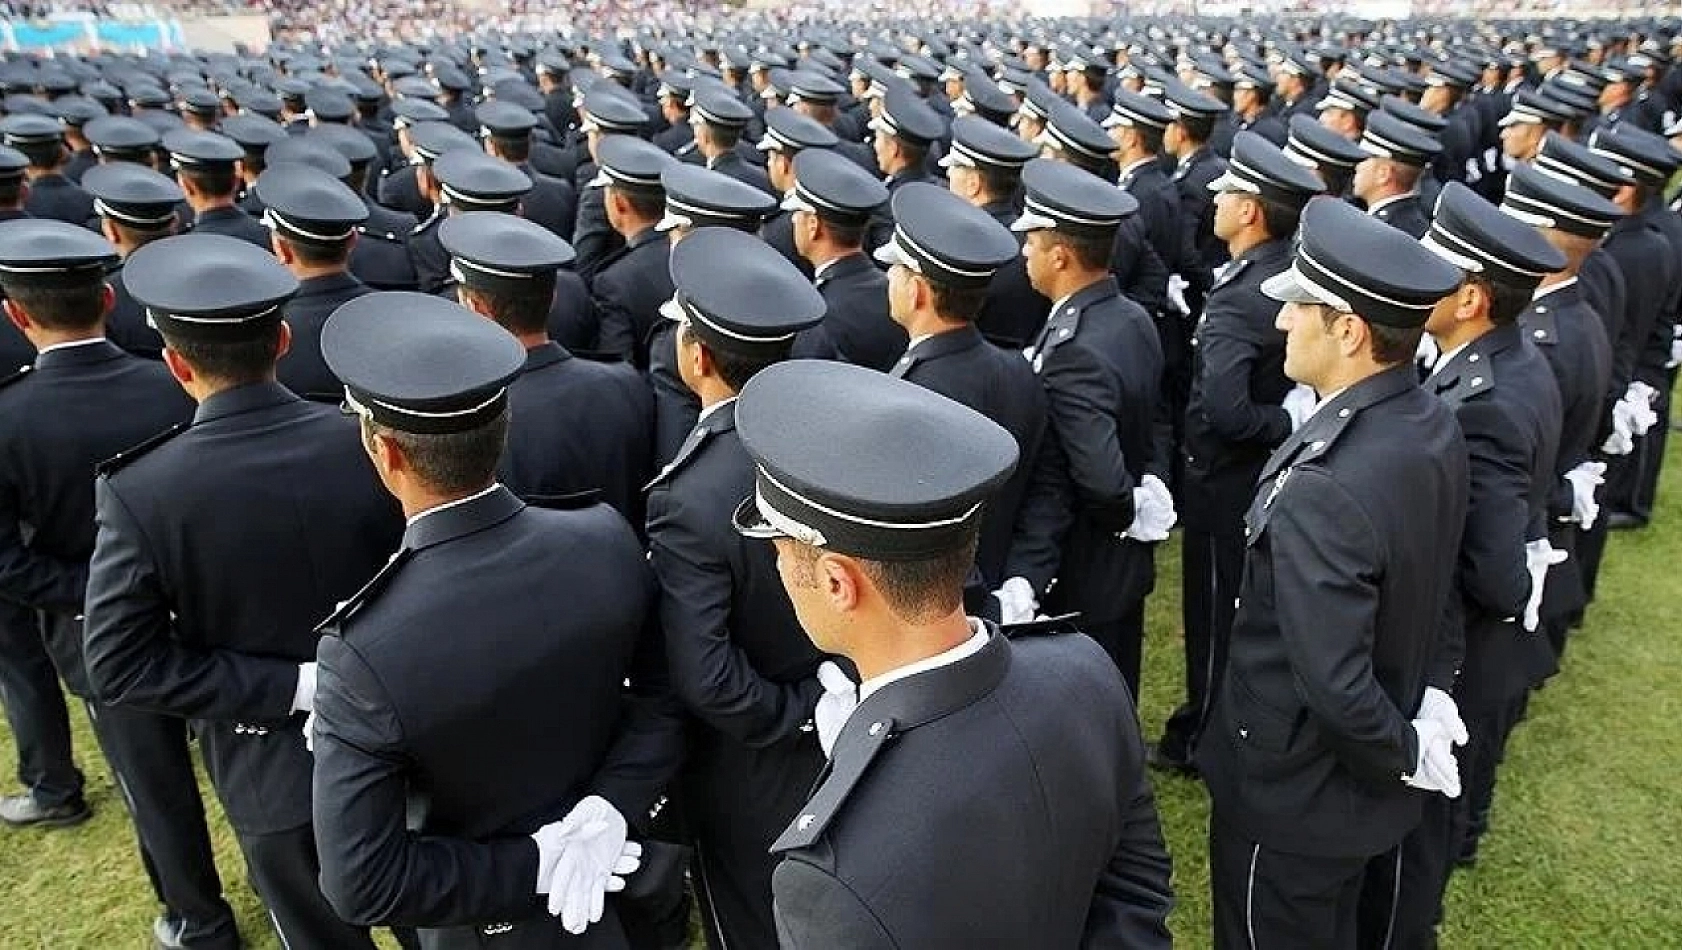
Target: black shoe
(1624, 521)
(23, 810)
(1157, 759)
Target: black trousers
(1124, 641)
(35, 710)
(1211, 567)
(1420, 878)
(1649, 454)
(286, 872)
(1265, 899)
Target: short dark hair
(1390, 345)
(512, 149)
(999, 183)
(724, 136)
(1092, 253)
(1150, 137)
(915, 154)
(141, 236)
(518, 312)
(1280, 219)
(61, 308)
(928, 588)
(450, 462)
(1407, 175)
(218, 181)
(736, 368)
(247, 361)
(845, 233)
(317, 253)
(1506, 301)
(647, 204)
(1197, 128)
(11, 192)
(958, 303)
(43, 154)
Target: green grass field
(1586, 849)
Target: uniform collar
(644, 237)
(545, 354)
(976, 643)
(461, 517)
(328, 283)
(242, 399)
(855, 263)
(1383, 203)
(935, 345)
(95, 349)
(1336, 413)
(1141, 167)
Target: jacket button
(1343, 413)
(1540, 334)
(875, 728)
(805, 822)
(1477, 380)
(1541, 309)
(1472, 359)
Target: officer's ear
(283, 344)
(842, 582)
(15, 314)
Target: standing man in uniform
(1052, 839)
(738, 657)
(84, 401)
(1318, 732)
(207, 168)
(196, 613)
(1388, 178)
(1101, 366)
(420, 820)
(634, 281)
(984, 168)
(1234, 417)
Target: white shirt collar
(1544, 291)
(70, 343)
(1382, 203)
(1138, 164)
(1326, 399)
(823, 269)
(1443, 358)
(709, 410)
(963, 651)
(451, 504)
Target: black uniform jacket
(974, 806)
(232, 222)
(1233, 418)
(1014, 312)
(218, 552)
(1504, 396)
(1405, 213)
(302, 369)
(126, 324)
(473, 694)
(1352, 543)
(629, 289)
(578, 425)
(380, 258)
(1101, 363)
(856, 327)
(57, 197)
(1572, 338)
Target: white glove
(1539, 555)
(840, 697)
(1440, 708)
(1426, 353)
(1584, 479)
(594, 858)
(1437, 769)
(1153, 511)
(309, 732)
(1640, 398)
(1177, 286)
(1299, 404)
(303, 696)
(1675, 349)
(1017, 602)
(1621, 441)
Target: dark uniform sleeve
(616, 331)
(134, 659)
(30, 577)
(1081, 394)
(710, 673)
(1229, 352)
(1138, 269)
(1492, 562)
(1133, 896)
(1326, 563)
(1047, 511)
(373, 869)
(831, 914)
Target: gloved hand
(1675, 348)
(1177, 286)
(1440, 708)
(303, 696)
(840, 697)
(551, 841)
(1299, 405)
(1539, 555)
(1017, 602)
(1425, 355)
(1640, 398)
(1584, 479)
(309, 732)
(1153, 511)
(593, 857)
(1437, 769)
(1621, 441)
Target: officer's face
(1036, 254)
(1028, 127)
(1366, 176)
(1521, 140)
(1230, 207)
(1341, 121)
(1310, 347)
(797, 568)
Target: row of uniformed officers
(514, 713)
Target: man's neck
(417, 499)
(202, 203)
(823, 255)
(42, 338)
(1559, 277)
(711, 391)
(926, 322)
(533, 340)
(1073, 283)
(910, 644)
(1346, 375)
(1242, 242)
(313, 271)
(631, 231)
(33, 173)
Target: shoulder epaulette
(15, 375)
(348, 607)
(127, 456)
(363, 231)
(1043, 627)
(571, 501)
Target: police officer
(833, 204)
(200, 615)
(984, 167)
(1328, 154)
(578, 425)
(51, 195)
(135, 206)
(787, 134)
(431, 142)
(634, 281)
(1504, 396)
(1352, 538)
(508, 131)
(420, 820)
(906, 128)
(398, 188)
(606, 110)
(738, 658)
(380, 256)
(1234, 417)
(1101, 366)
(312, 218)
(719, 119)
(1196, 164)
(873, 555)
(83, 401)
(1387, 180)
(205, 167)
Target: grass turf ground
(1586, 849)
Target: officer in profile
(872, 489)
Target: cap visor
(890, 254)
(793, 202)
(601, 180)
(672, 222)
(673, 311)
(1029, 221)
(749, 522)
(1113, 121)
(768, 144)
(1289, 286)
